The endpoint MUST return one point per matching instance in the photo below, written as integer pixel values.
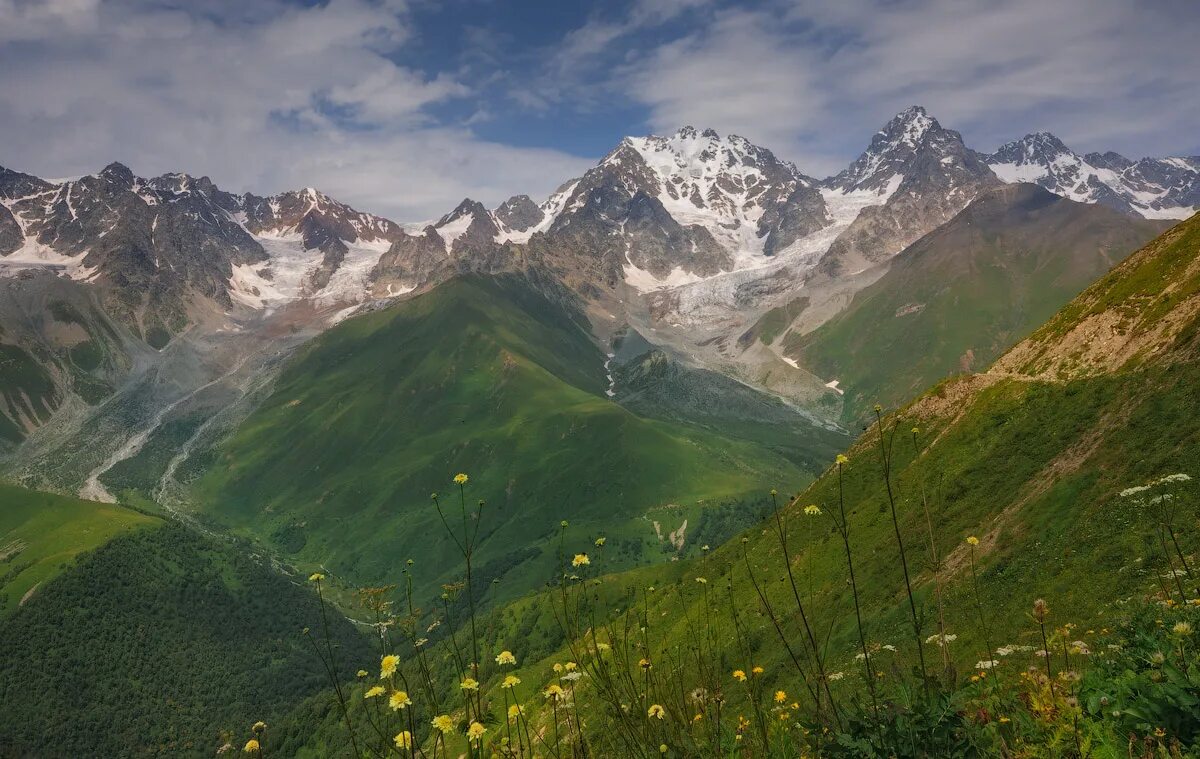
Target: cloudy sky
(404, 107)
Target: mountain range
(264, 388)
(690, 239)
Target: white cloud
(261, 97)
(814, 80)
(736, 75)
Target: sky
(404, 107)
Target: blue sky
(403, 107)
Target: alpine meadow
(470, 380)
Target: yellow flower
(662, 748)
(461, 479)
(362, 673)
(316, 577)
(842, 459)
(571, 666)
(251, 746)
(972, 540)
(812, 510)
(444, 723)
(780, 696)
(506, 657)
(580, 560)
(399, 700)
(656, 712)
(469, 684)
(878, 408)
(258, 727)
(554, 692)
(644, 663)
(600, 542)
(739, 675)
(603, 646)
(514, 711)
(1182, 628)
(511, 681)
(403, 739)
(475, 731)
(557, 667)
(373, 692)
(756, 670)
(701, 580)
(387, 666)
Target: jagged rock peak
(118, 173)
(910, 137)
(465, 208)
(519, 213)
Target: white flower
(572, 676)
(1012, 648)
(835, 676)
(986, 664)
(942, 640)
(1134, 490)
(1181, 477)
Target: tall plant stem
(844, 530)
(912, 604)
(812, 641)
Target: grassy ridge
(40, 534)
(1033, 468)
(960, 296)
(160, 642)
(483, 376)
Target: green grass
(1033, 468)
(479, 376)
(1142, 290)
(27, 392)
(161, 642)
(956, 299)
(41, 534)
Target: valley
(206, 397)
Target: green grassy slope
(40, 535)
(480, 376)
(1033, 467)
(160, 642)
(963, 294)
(656, 386)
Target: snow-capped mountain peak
(1154, 188)
(897, 148)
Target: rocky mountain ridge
(1154, 188)
(692, 239)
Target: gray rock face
(155, 245)
(412, 261)
(465, 240)
(690, 203)
(1150, 187)
(11, 238)
(519, 213)
(926, 175)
